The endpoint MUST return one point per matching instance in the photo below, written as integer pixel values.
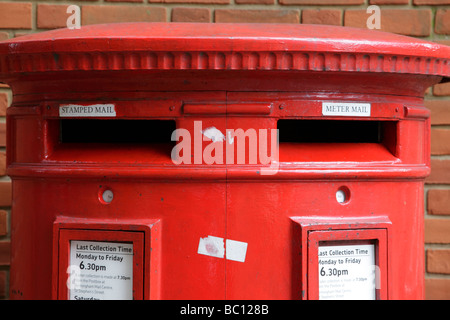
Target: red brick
(442, 89)
(438, 261)
(431, 2)
(442, 22)
(438, 201)
(440, 172)
(256, 16)
(5, 193)
(191, 15)
(411, 22)
(442, 41)
(193, 1)
(124, 0)
(440, 141)
(440, 111)
(3, 134)
(15, 15)
(4, 36)
(322, 2)
(3, 223)
(94, 14)
(3, 103)
(389, 1)
(5, 253)
(437, 230)
(437, 289)
(322, 16)
(51, 16)
(21, 34)
(2, 163)
(255, 1)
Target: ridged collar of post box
(194, 46)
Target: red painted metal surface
(228, 77)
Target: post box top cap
(332, 46)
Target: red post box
(222, 161)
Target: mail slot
(218, 161)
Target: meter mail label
(95, 110)
(346, 109)
(100, 271)
(347, 272)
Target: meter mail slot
(218, 161)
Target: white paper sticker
(236, 250)
(95, 110)
(211, 246)
(100, 270)
(346, 109)
(220, 248)
(347, 272)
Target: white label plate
(100, 270)
(346, 109)
(347, 272)
(94, 110)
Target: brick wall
(428, 19)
